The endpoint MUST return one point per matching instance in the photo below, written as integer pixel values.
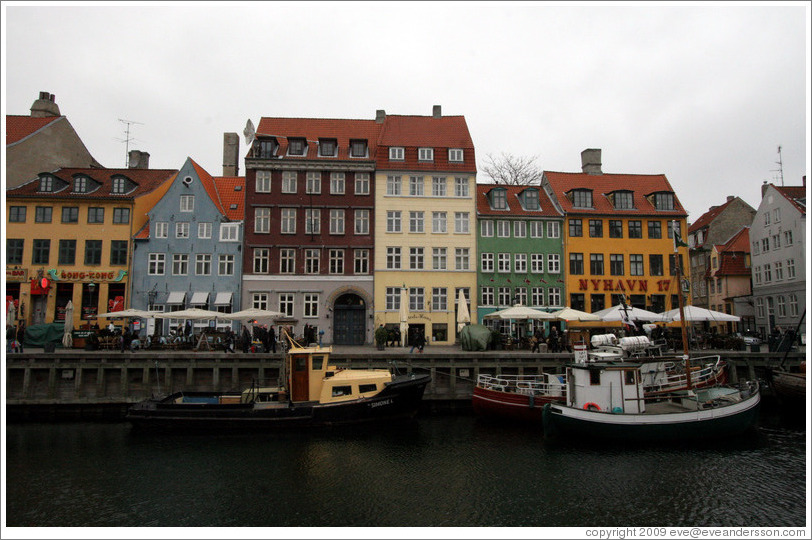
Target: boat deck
(664, 407)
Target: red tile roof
(222, 190)
(146, 181)
(708, 217)
(794, 194)
(312, 129)
(483, 205)
(439, 133)
(20, 127)
(733, 255)
(603, 184)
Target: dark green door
(349, 322)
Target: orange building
(69, 238)
(618, 237)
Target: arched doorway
(349, 320)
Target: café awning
(176, 297)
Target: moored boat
(311, 392)
(607, 400)
(522, 397)
(790, 388)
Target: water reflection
(436, 471)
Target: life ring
(591, 406)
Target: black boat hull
(399, 399)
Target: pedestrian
(418, 343)
(553, 340)
(272, 338)
(21, 336)
(246, 339)
(125, 339)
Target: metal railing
(531, 385)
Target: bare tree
(513, 170)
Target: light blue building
(189, 252)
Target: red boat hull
(510, 405)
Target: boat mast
(685, 356)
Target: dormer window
(425, 154)
(80, 184)
(46, 184)
(328, 147)
(664, 201)
(582, 198)
(530, 199)
(396, 153)
(119, 185)
(266, 148)
(296, 147)
(358, 149)
(499, 199)
(455, 155)
(623, 200)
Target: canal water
(438, 470)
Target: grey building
(778, 254)
(714, 227)
(188, 254)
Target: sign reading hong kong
(623, 285)
(78, 275)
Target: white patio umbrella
(195, 314)
(698, 314)
(569, 314)
(67, 337)
(125, 313)
(404, 313)
(463, 315)
(522, 313)
(250, 314)
(627, 314)
(11, 314)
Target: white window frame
(261, 261)
(286, 304)
(229, 232)
(262, 184)
(310, 306)
(262, 220)
(289, 181)
(519, 229)
(456, 155)
(502, 228)
(396, 153)
(312, 220)
(503, 263)
(393, 258)
(313, 185)
(336, 262)
(312, 261)
(461, 222)
(362, 183)
(204, 229)
(225, 265)
(439, 185)
(416, 184)
(337, 221)
(203, 264)
(416, 221)
(287, 261)
(462, 258)
(553, 264)
(161, 229)
(520, 263)
(416, 258)
(537, 263)
(180, 264)
(486, 228)
(287, 222)
(425, 154)
(361, 261)
(462, 186)
(338, 183)
(553, 229)
(157, 264)
(393, 185)
(361, 221)
(182, 229)
(187, 203)
(486, 262)
(439, 258)
(439, 222)
(393, 221)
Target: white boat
(608, 400)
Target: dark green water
(454, 471)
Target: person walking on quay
(553, 340)
(272, 338)
(419, 342)
(20, 339)
(246, 339)
(125, 339)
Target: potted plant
(381, 335)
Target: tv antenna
(127, 139)
(780, 169)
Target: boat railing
(531, 385)
(711, 367)
(251, 393)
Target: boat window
(301, 363)
(318, 362)
(342, 391)
(630, 376)
(367, 388)
(594, 376)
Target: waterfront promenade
(75, 383)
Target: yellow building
(618, 237)
(69, 239)
(425, 224)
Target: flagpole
(685, 356)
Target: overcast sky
(702, 93)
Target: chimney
(45, 106)
(231, 149)
(380, 116)
(764, 188)
(730, 198)
(591, 161)
(139, 159)
(437, 111)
